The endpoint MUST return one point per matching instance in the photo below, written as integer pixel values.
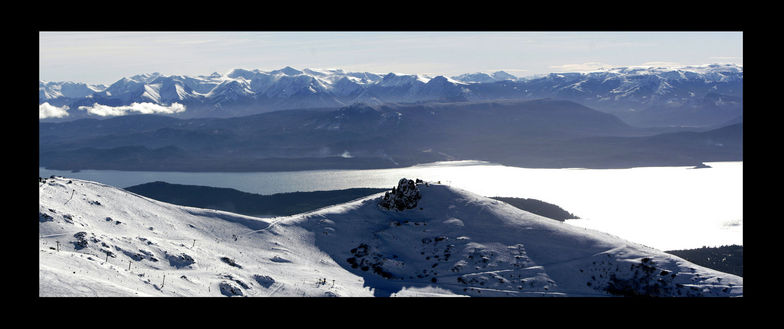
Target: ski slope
(98, 240)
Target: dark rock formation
(404, 196)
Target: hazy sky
(105, 57)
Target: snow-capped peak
(54, 89)
(288, 70)
(484, 77)
(241, 73)
(146, 77)
(393, 79)
(653, 69)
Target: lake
(662, 207)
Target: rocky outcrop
(404, 196)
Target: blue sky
(105, 57)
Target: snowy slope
(452, 243)
(157, 240)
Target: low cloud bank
(47, 110)
(144, 108)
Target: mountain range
(541, 133)
(643, 96)
(421, 239)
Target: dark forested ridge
(728, 259)
(227, 199)
(535, 134)
(539, 207)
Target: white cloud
(669, 65)
(47, 110)
(584, 67)
(144, 108)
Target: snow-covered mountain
(651, 96)
(484, 77)
(423, 239)
(52, 90)
(636, 83)
(701, 95)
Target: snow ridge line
(311, 212)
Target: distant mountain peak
(288, 70)
(482, 77)
(241, 73)
(146, 77)
(439, 79)
(501, 75)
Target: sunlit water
(661, 207)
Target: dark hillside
(538, 207)
(282, 204)
(535, 134)
(728, 259)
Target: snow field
(97, 240)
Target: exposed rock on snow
(404, 196)
(179, 261)
(44, 217)
(264, 280)
(230, 261)
(229, 289)
(278, 259)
